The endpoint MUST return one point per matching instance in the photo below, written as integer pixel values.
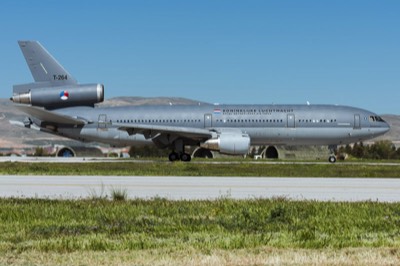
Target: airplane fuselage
(265, 124)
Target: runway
(197, 188)
(6, 159)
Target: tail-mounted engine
(62, 96)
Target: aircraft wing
(48, 116)
(152, 131)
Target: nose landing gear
(332, 157)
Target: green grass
(78, 232)
(161, 168)
(119, 194)
(224, 224)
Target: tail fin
(44, 67)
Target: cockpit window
(375, 118)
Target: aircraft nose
(383, 128)
(386, 127)
(380, 130)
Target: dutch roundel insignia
(64, 95)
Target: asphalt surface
(165, 160)
(193, 188)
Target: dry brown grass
(260, 256)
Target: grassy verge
(220, 232)
(200, 169)
(224, 224)
(260, 256)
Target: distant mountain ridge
(15, 136)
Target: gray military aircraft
(57, 104)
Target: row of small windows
(158, 121)
(257, 110)
(317, 120)
(224, 120)
(249, 120)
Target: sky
(217, 51)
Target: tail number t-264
(60, 77)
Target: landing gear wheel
(173, 156)
(332, 159)
(185, 157)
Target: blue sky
(333, 52)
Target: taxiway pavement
(196, 188)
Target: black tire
(332, 159)
(173, 156)
(186, 157)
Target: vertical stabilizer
(43, 66)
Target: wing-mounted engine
(60, 96)
(229, 143)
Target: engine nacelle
(229, 143)
(63, 96)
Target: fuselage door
(290, 121)
(207, 120)
(102, 123)
(357, 122)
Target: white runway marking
(192, 188)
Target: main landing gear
(184, 157)
(178, 152)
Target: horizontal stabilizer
(48, 116)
